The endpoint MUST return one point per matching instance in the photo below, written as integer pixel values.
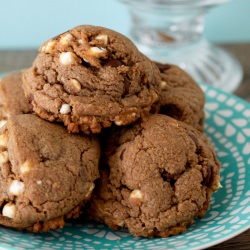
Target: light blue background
(28, 23)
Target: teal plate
(228, 127)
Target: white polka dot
(212, 93)
(239, 107)
(242, 170)
(246, 113)
(230, 102)
(221, 97)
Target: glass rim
(175, 3)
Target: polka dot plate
(228, 127)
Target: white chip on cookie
(67, 58)
(2, 123)
(39, 182)
(9, 210)
(16, 187)
(136, 197)
(76, 85)
(48, 47)
(163, 84)
(136, 194)
(102, 37)
(65, 109)
(25, 167)
(119, 122)
(4, 157)
(90, 190)
(121, 223)
(66, 39)
(95, 51)
(3, 140)
(80, 41)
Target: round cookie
(180, 96)
(46, 174)
(158, 176)
(12, 99)
(90, 77)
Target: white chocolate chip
(163, 85)
(121, 223)
(67, 58)
(85, 60)
(48, 47)
(3, 140)
(9, 210)
(65, 109)
(4, 157)
(118, 122)
(66, 39)
(90, 190)
(42, 49)
(95, 51)
(133, 114)
(136, 194)
(76, 85)
(16, 187)
(80, 41)
(39, 182)
(25, 167)
(2, 123)
(103, 38)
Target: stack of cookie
(95, 125)
(46, 174)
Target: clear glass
(171, 31)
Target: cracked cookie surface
(12, 99)
(46, 174)
(89, 78)
(158, 176)
(180, 96)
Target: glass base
(203, 61)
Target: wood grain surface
(12, 60)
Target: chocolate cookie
(46, 174)
(12, 99)
(90, 77)
(160, 175)
(180, 96)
